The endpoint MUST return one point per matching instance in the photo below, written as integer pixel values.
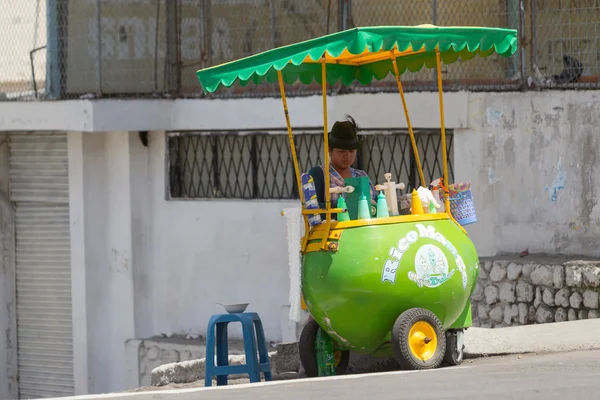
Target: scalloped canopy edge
(362, 54)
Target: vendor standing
(343, 144)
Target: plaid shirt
(336, 180)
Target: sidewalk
(479, 342)
(540, 338)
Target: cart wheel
(454, 355)
(418, 340)
(308, 354)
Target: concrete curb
(539, 338)
(193, 370)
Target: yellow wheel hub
(422, 340)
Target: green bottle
(363, 208)
(382, 207)
(341, 203)
(325, 358)
(432, 209)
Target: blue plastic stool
(254, 366)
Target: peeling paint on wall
(557, 185)
(493, 116)
(492, 176)
(510, 154)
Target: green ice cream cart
(398, 285)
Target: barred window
(258, 165)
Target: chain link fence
(565, 43)
(22, 48)
(61, 49)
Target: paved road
(527, 377)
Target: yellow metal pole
(443, 130)
(294, 158)
(326, 152)
(290, 137)
(410, 129)
(442, 127)
(326, 137)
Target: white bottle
(436, 194)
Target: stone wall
(144, 355)
(153, 352)
(526, 291)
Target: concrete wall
(108, 260)
(8, 322)
(155, 266)
(185, 256)
(533, 159)
(152, 266)
(226, 251)
(78, 262)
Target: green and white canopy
(362, 54)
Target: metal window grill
(258, 165)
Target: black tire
(308, 354)
(400, 340)
(453, 356)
